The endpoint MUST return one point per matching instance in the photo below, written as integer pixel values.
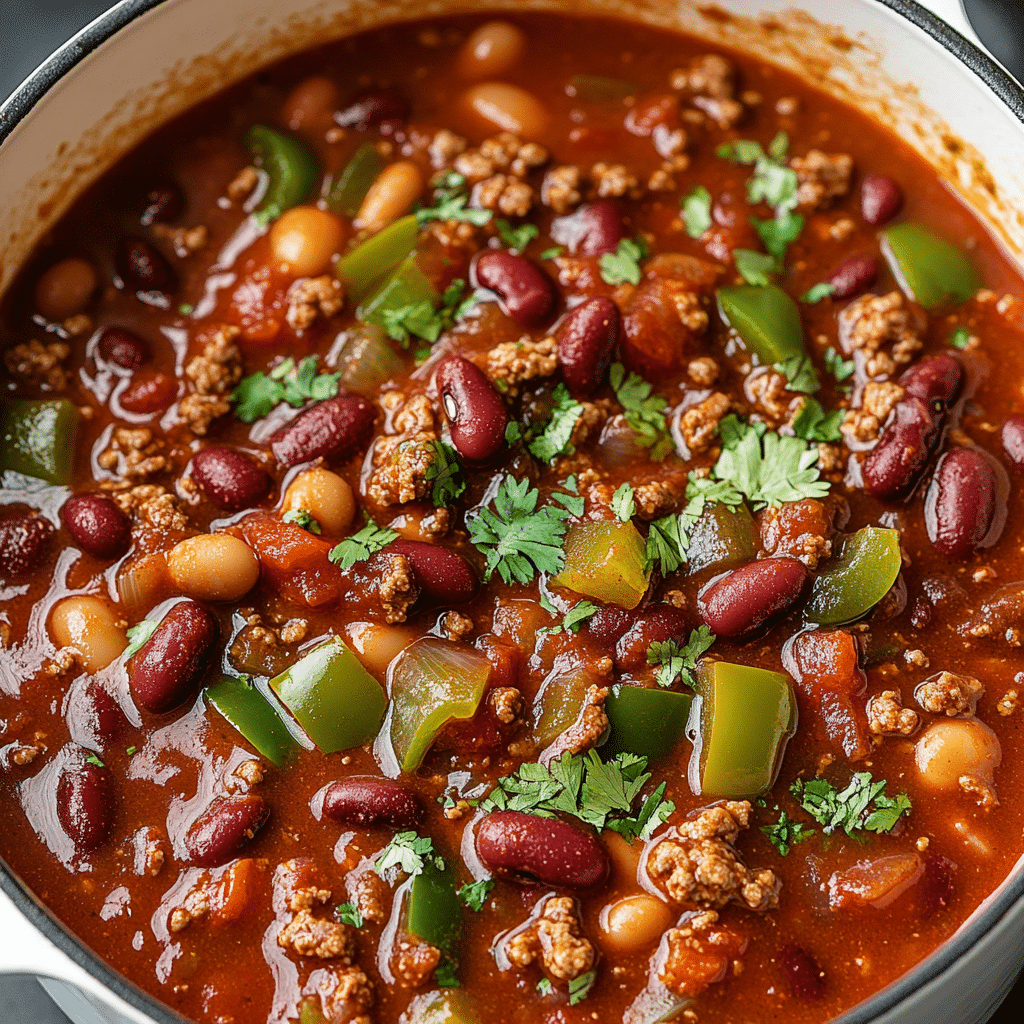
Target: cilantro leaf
(624, 503)
(742, 151)
(644, 412)
(94, 759)
(302, 517)
(138, 635)
(822, 290)
(667, 542)
(544, 986)
(786, 833)
(887, 812)
(579, 987)
(256, 395)
(697, 211)
(960, 338)
(349, 913)
(754, 267)
(474, 894)
(623, 265)
(517, 238)
(360, 546)
(774, 184)
(778, 148)
(445, 473)
(450, 199)
(779, 232)
(840, 368)
(675, 662)
(813, 424)
(849, 809)
(574, 618)
(408, 852)
(553, 253)
(554, 440)
(801, 374)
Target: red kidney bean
(93, 716)
(97, 525)
(444, 576)
(148, 394)
(372, 109)
(123, 348)
(229, 478)
(1013, 442)
(586, 339)
(937, 885)
(608, 625)
(362, 801)
(853, 276)
(334, 429)
(524, 848)
(806, 977)
(657, 624)
(526, 293)
(476, 413)
(594, 229)
(168, 669)
(752, 597)
(163, 203)
(23, 543)
(144, 267)
(222, 831)
(903, 452)
(960, 505)
(880, 199)
(85, 805)
(935, 380)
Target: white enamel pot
(146, 60)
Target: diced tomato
(236, 891)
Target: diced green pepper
(560, 701)
(600, 89)
(310, 1012)
(349, 189)
(856, 579)
(435, 914)
(38, 438)
(928, 268)
(644, 722)
(331, 695)
(375, 258)
(766, 320)
(293, 171)
(407, 285)
(448, 1006)
(605, 561)
(254, 717)
(722, 538)
(747, 716)
(432, 682)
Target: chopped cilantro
(94, 759)
(544, 986)
(960, 338)
(742, 151)
(851, 808)
(754, 267)
(186, 309)
(408, 852)
(257, 394)
(579, 988)
(304, 518)
(667, 541)
(812, 423)
(624, 503)
(800, 372)
(697, 211)
(644, 412)
(450, 198)
(138, 635)
(840, 368)
(774, 184)
(445, 473)
(553, 253)
(822, 290)
(574, 618)
(360, 546)
(623, 265)
(778, 232)
(554, 439)
(517, 238)
(348, 913)
(786, 833)
(131, 751)
(475, 894)
(675, 662)
(445, 974)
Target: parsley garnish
(574, 618)
(554, 440)
(624, 503)
(139, 634)
(862, 805)
(360, 546)
(820, 291)
(422, 320)
(786, 833)
(408, 852)
(579, 988)
(667, 541)
(94, 759)
(445, 974)
(450, 198)
(475, 894)
(960, 338)
(800, 372)
(544, 986)
(675, 662)
(517, 238)
(644, 412)
(517, 538)
(445, 472)
(754, 267)
(348, 913)
(840, 368)
(778, 233)
(553, 253)
(697, 211)
(257, 394)
(623, 265)
(304, 518)
(812, 423)
(131, 751)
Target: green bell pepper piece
(856, 579)
(644, 722)
(331, 695)
(310, 1012)
(38, 438)
(293, 170)
(747, 716)
(722, 538)
(766, 320)
(448, 1006)
(377, 257)
(406, 286)
(432, 682)
(248, 711)
(349, 189)
(605, 561)
(435, 914)
(928, 268)
(560, 701)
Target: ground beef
(613, 180)
(414, 961)
(39, 365)
(134, 454)
(350, 997)
(507, 703)
(185, 241)
(947, 693)
(445, 147)
(556, 937)
(711, 79)
(872, 321)
(822, 177)
(311, 298)
(243, 183)
(703, 371)
(395, 586)
(880, 398)
(368, 891)
(505, 194)
(402, 458)
(456, 625)
(980, 790)
(512, 362)
(561, 188)
(308, 935)
(503, 152)
(699, 424)
(154, 507)
(769, 391)
(212, 374)
(888, 717)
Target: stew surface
(513, 520)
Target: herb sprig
(644, 412)
(256, 395)
(360, 546)
(451, 194)
(679, 662)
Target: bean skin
(880, 199)
(1012, 437)
(960, 505)
(802, 970)
(223, 831)
(594, 229)
(97, 525)
(24, 540)
(444, 576)
(753, 597)
(145, 268)
(374, 108)
(361, 802)
(163, 204)
(939, 380)
(85, 804)
(525, 293)
(149, 393)
(853, 276)
(123, 348)
(586, 339)
(903, 452)
(608, 624)
(168, 669)
(93, 716)
(229, 478)
(334, 429)
(657, 624)
(476, 413)
(526, 849)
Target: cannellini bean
(397, 187)
(90, 626)
(310, 104)
(634, 923)
(304, 239)
(376, 645)
(954, 747)
(326, 496)
(65, 288)
(507, 107)
(490, 51)
(213, 567)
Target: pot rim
(20, 104)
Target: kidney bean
(935, 380)
(85, 804)
(960, 505)
(123, 348)
(853, 276)
(144, 267)
(476, 413)
(168, 669)
(586, 339)
(93, 716)
(608, 624)
(362, 801)
(97, 525)
(229, 478)
(594, 229)
(526, 294)
(526, 849)
(806, 977)
(148, 394)
(163, 203)
(904, 450)
(384, 108)
(1012, 436)
(444, 576)
(23, 542)
(334, 429)
(880, 199)
(663, 622)
(222, 831)
(752, 597)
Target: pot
(144, 61)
